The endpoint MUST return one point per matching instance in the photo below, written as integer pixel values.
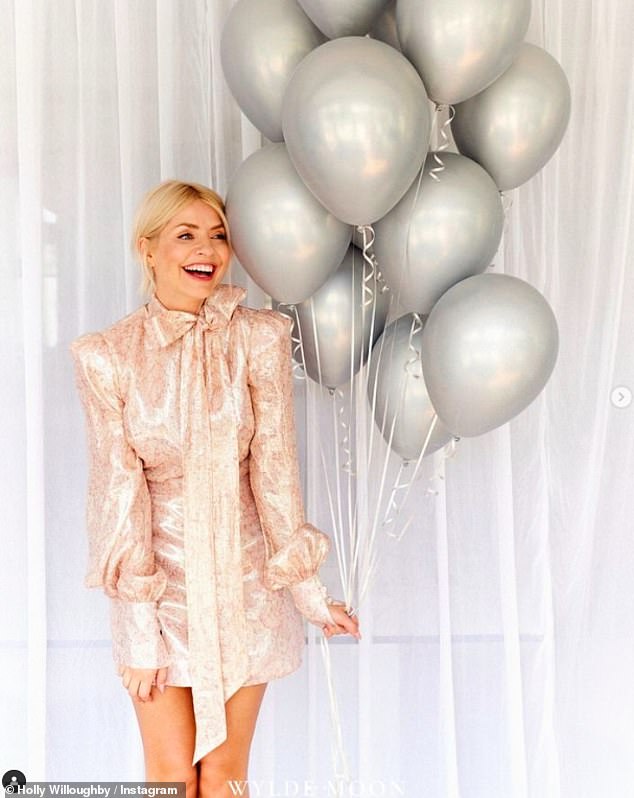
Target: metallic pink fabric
(194, 513)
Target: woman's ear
(144, 249)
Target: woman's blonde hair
(160, 205)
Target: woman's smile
(200, 271)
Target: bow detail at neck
(215, 313)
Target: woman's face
(189, 257)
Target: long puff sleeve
(295, 548)
(118, 513)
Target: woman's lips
(199, 275)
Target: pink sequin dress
(194, 512)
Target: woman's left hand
(346, 624)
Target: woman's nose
(206, 247)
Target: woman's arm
(118, 513)
(296, 548)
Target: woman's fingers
(330, 630)
(161, 678)
(345, 624)
(145, 688)
(138, 682)
(351, 626)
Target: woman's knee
(220, 779)
(174, 772)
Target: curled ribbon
(433, 173)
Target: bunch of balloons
(346, 93)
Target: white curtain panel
(497, 658)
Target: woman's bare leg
(230, 760)
(168, 730)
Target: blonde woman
(195, 518)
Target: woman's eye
(187, 236)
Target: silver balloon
(461, 46)
(440, 232)
(402, 408)
(489, 347)
(349, 18)
(513, 127)
(326, 321)
(384, 29)
(288, 243)
(356, 123)
(261, 45)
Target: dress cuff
(137, 641)
(311, 599)
(298, 559)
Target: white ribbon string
(344, 425)
(340, 763)
(298, 363)
(440, 109)
(507, 204)
(413, 366)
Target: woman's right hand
(139, 681)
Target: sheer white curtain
(497, 656)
